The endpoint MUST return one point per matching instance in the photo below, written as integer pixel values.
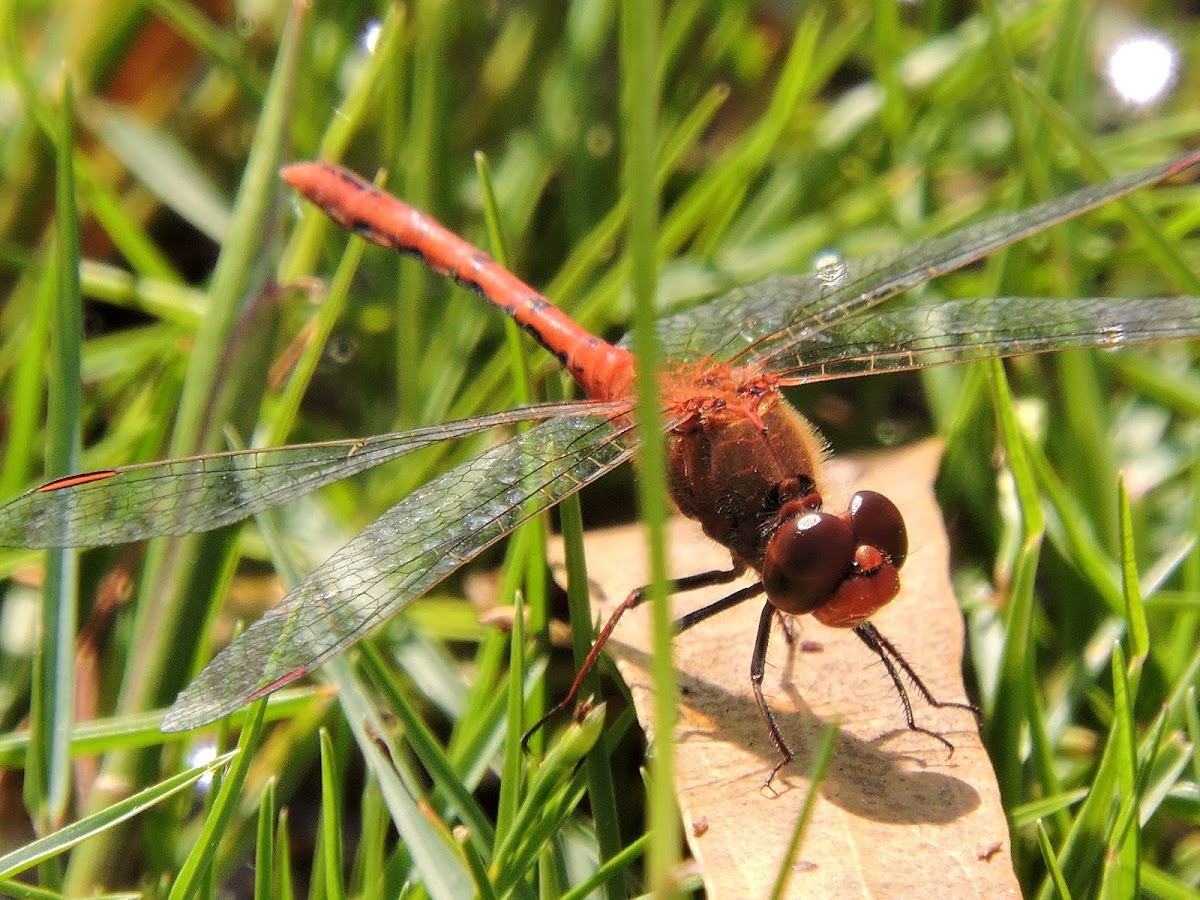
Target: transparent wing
(200, 493)
(961, 330)
(762, 317)
(404, 553)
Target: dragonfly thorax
(734, 465)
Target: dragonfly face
(841, 568)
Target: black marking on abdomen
(469, 284)
(364, 229)
(348, 178)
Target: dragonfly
(742, 461)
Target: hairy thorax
(740, 452)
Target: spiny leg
(886, 651)
(758, 666)
(704, 613)
(635, 598)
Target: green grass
(776, 140)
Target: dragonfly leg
(892, 658)
(758, 668)
(704, 613)
(635, 598)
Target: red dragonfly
(742, 461)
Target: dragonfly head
(840, 568)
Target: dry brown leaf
(895, 816)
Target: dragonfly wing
(404, 553)
(785, 310)
(184, 496)
(980, 328)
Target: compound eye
(806, 560)
(877, 523)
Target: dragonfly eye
(806, 560)
(877, 523)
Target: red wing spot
(276, 684)
(70, 481)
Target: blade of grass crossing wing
(601, 789)
(48, 787)
(639, 114)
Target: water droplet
(1113, 335)
(830, 268)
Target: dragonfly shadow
(893, 776)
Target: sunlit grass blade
(264, 845)
(613, 872)
(1029, 813)
(197, 866)
(554, 791)
(820, 766)
(283, 856)
(331, 820)
(1014, 711)
(51, 845)
(441, 769)
(1051, 861)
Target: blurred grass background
(785, 133)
